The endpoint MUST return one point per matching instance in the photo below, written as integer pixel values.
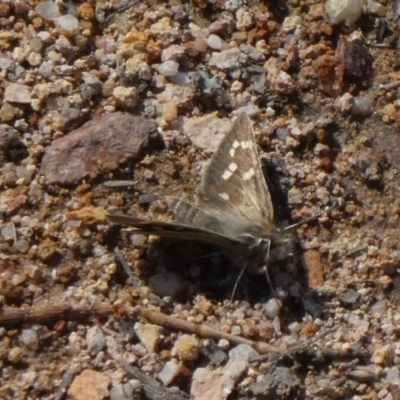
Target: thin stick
(203, 331)
(12, 316)
(44, 314)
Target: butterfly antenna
(238, 280)
(312, 218)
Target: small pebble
(22, 245)
(236, 330)
(341, 10)
(224, 344)
(44, 36)
(393, 376)
(138, 239)
(344, 103)
(200, 44)
(126, 97)
(149, 335)
(30, 338)
(295, 196)
(16, 93)
(181, 79)
(48, 10)
(89, 384)
(384, 355)
(169, 372)
(170, 111)
(8, 232)
(15, 355)
(45, 69)
(186, 348)
(375, 8)
(168, 68)
(29, 378)
(122, 392)
(214, 42)
(362, 107)
(276, 323)
(95, 340)
(292, 143)
(350, 296)
(380, 307)
(236, 86)
(7, 112)
(242, 352)
(272, 308)
(67, 24)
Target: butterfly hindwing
(226, 224)
(172, 230)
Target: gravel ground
(104, 111)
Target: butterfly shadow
(192, 269)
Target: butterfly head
(268, 246)
(257, 251)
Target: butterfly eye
(252, 240)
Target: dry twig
(12, 316)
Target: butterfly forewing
(233, 180)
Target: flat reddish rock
(89, 385)
(97, 147)
(14, 203)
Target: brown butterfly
(233, 207)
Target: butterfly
(233, 208)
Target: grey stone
(97, 147)
(48, 10)
(16, 93)
(242, 352)
(95, 340)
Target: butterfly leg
(265, 269)
(238, 280)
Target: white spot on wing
(224, 196)
(235, 144)
(226, 175)
(232, 167)
(232, 152)
(249, 174)
(246, 144)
